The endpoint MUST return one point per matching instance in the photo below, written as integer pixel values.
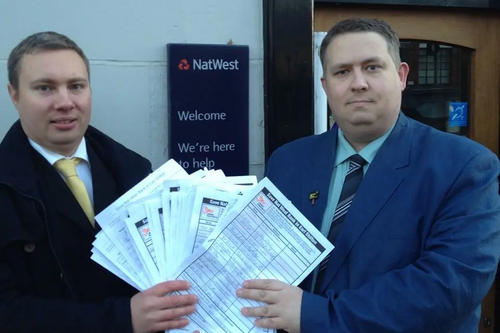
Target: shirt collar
(52, 157)
(345, 150)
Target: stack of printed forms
(213, 231)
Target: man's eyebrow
(364, 62)
(78, 79)
(50, 81)
(42, 80)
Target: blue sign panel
(208, 106)
(458, 114)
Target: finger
(264, 284)
(275, 323)
(171, 324)
(164, 288)
(261, 311)
(173, 301)
(266, 296)
(175, 313)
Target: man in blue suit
(413, 213)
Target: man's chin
(363, 123)
(66, 140)
(364, 131)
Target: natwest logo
(184, 65)
(215, 64)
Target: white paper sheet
(263, 237)
(112, 218)
(139, 228)
(107, 249)
(101, 259)
(212, 230)
(209, 207)
(156, 219)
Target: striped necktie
(352, 180)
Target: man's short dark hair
(362, 25)
(41, 41)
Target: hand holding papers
(215, 232)
(152, 311)
(282, 304)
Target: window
(434, 64)
(439, 75)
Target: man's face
(363, 85)
(53, 99)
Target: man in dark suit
(56, 174)
(413, 213)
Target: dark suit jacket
(48, 283)
(420, 245)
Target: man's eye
(42, 88)
(342, 72)
(373, 67)
(77, 86)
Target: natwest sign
(208, 94)
(210, 65)
(215, 64)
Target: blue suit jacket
(420, 245)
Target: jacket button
(29, 247)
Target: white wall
(125, 41)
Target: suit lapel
(318, 179)
(383, 177)
(105, 190)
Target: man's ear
(13, 93)
(323, 83)
(403, 71)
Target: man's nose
(359, 82)
(63, 100)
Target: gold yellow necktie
(68, 168)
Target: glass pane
(440, 76)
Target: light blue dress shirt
(343, 152)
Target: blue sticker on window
(458, 114)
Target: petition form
(112, 222)
(209, 206)
(263, 237)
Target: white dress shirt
(82, 168)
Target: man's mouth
(63, 121)
(359, 102)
